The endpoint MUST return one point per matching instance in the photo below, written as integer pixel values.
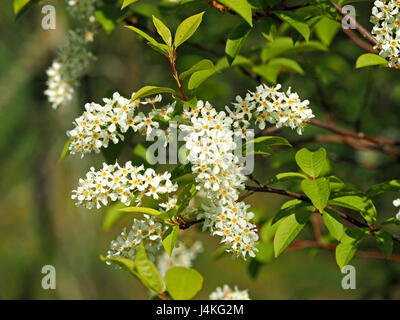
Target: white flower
(267, 104)
(125, 184)
(147, 231)
(396, 203)
(227, 293)
(386, 30)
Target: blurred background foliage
(40, 225)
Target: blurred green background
(40, 225)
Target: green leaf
(369, 59)
(149, 211)
(295, 22)
(112, 215)
(183, 283)
(163, 31)
(261, 145)
(21, 6)
(199, 77)
(290, 207)
(344, 253)
(326, 30)
(65, 151)
(265, 252)
(201, 65)
(271, 70)
(147, 271)
(310, 162)
(184, 197)
(169, 239)
(187, 28)
(126, 264)
(288, 229)
(235, 41)
(358, 203)
(241, 7)
(349, 243)
(127, 3)
(385, 242)
(393, 186)
(318, 191)
(149, 90)
(334, 224)
(286, 176)
(160, 47)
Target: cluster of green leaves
(323, 194)
(179, 283)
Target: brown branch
(302, 244)
(299, 196)
(364, 32)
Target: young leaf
(187, 28)
(334, 224)
(288, 229)
(241, 7)
(310, 162)
(286, 176)
(370, 59)
(290, 207)
(126, 264)
(149, 211)
(385, 242)
(294, 21)
(344, 253)
(393, 185)
(147, 271)
(326, 30)
(358, 203)
(183, 283)
(181, 170)
(170, 238)
(235, 41)
(127, 3)
(109, 17)
(261, 145)
(163, 31)
(160, 47)
(318, 191)
(149, 90)
(201, 65)
(65, 151)
(199, 77)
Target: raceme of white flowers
(227, 293)
(210, 141)
(182, 256)
(100, 124)
(147, 231)
(116, 183)
(267, 104)
(396, 203)
(386, 30)
(73, 57)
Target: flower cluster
(73, 57)
(82, 9)
(386, 30)
(396, 203)
(147, 231)
(100, 124)
(227, 293)
(267, 104)
(210, 142)
(182, 256)
(126, 183)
